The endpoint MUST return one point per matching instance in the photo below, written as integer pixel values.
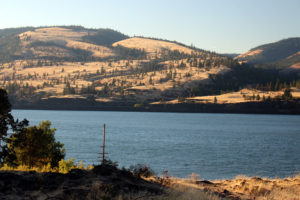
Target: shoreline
(276, 107)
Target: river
(215, 146)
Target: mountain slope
(102, 66)
(281, 54)
(75, 62)
(58, 43)
(152, 46)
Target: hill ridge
(280, 54)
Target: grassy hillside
(10, 43)
(103, 65)
(281, 54)
(62, 43)
(70, 60)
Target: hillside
(109, 182)
(152, 47)
(57, 43)
(282, 54)
(74, 62)
(78, 66)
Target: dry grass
(97, 50)
(243, 187)
(51, 77)
(177, 192)
(26, 168)
(152, 46)
(249, 53)
(76, 73)
(241, 96)
(66, 166)
(51, 34)
(61, 36)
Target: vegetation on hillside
(105, 37)
(47, 66)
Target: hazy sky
(224, 26)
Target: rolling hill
(282, 54)
(66, 61)
(65, 64)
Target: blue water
(213, 145)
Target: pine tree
(215, 100)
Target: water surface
(213, 145)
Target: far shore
(273, 107)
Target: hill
(74, 62)
(282, 54)
(57, 43)
(73, 65)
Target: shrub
(141, 170)
(138, 105)
(35, 147)
(64, 166)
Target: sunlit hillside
(282, 54)
(74, 62)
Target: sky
(223, 26)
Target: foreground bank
(108, 182)
(102, 182)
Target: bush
(35, 147)
(138, 105)
(141, 170)
(64, 166)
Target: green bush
(64, 166)
(35, 146)
(138, 105)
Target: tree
(257, 97)
(287, 95)
(35, 146)
(5, 116)
(215, 100)
(68, 89)
(150, 80)
(5, 119)
(7, 122)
